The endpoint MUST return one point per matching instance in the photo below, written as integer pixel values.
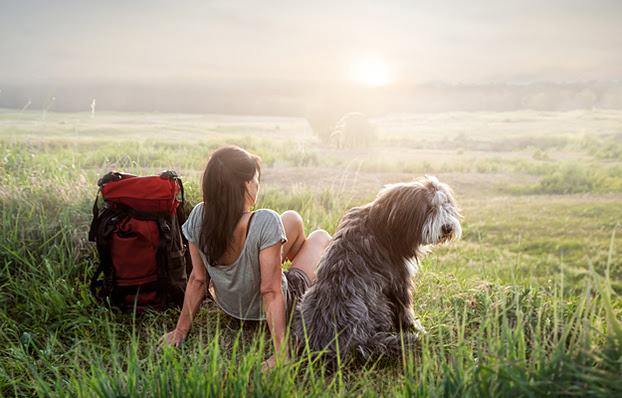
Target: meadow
(528, 303)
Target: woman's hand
(173, 338)
(195, 291)
(269, 363)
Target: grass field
(527, 303)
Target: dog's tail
(391, 344)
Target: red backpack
(142, 253)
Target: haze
(420, 41)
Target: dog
(361, 301)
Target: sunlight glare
(371, 72)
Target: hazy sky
(467, 41)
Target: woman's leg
(303, 252)
(294, 229)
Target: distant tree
(538, 101)
(586, 98)
(612, 97)
(322, 118)
(353, 130)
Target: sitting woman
(242, 252)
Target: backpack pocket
(133, 250)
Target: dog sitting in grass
(361, 299)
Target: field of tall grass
(526, 304)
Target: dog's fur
(363, 288)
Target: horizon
(308, 100)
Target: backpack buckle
(164, 226)
(109, 177)
(170, 174)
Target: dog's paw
(407, 319)
(411, 321)
(418, 326)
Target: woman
(241, 252)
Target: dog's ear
(398, 215)
(439, 193)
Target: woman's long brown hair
(224, 192)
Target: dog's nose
(446, 229)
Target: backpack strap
(105, 226)
(173, 176)
(182, 217)
(181, 189)
(108, 177)
(165, 239)
(95, 222)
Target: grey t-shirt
(237, 285)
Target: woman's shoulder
(198, 206)
(268, 228)
(267, 218)
(266, 213)
(192, 226)
(196, 211)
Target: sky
(414, 42)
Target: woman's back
(236, 282)
(236, 245)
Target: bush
(573, 177)
(604, 149)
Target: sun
(373, 72)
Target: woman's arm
(195, 291)
(274, 301)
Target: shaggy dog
(363, 287)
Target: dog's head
(443, 219)
(419, 213)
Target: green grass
(536, 239)
(526, 304)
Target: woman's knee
(291, 217)
(293, 224)
(320, 237)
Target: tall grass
(484, 339)
(489, 333)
